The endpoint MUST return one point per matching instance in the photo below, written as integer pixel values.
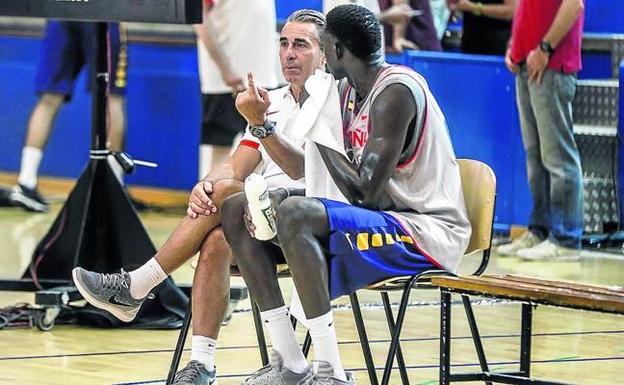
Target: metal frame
(395, 326)
(522, 377)
(262, 346)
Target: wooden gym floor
(569, 346)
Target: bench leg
(525, 339)
(476, 337)
(391, 326)
(361, 329)
(445, 338)
(177, 353)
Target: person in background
(441, 14)
(487, 25)
(417, 32)
(225, 39)
(545, 56)
(68, 47)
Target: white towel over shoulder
(320, 121)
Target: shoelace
(309, 379)
(114, 281)
(190, 372)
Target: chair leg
(445, 338)
(361, 329)
(476, 337)
(525, 339)
(264, 355)
(177, 354)
(390, 318)
(307, 343)
(396, 333)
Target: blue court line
(403, 340)
(410, 367)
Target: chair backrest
(479, 187)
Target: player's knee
(51, 101)
(223, 189)
(232, 212)
(294, 217)
(215, 249)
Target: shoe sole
(27, 203)
(120, 314)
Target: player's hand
(537, 62)
(254, 103)
(251, 228)
(199, 200)
(511, 66)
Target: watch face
(258, 131)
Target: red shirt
(532, 21)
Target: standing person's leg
(58, 68)
(221, 122)
(552, 103)
(131, 289)
(257, 262)
(538, 177)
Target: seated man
(200, 231)
(406, 213)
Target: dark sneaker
(29, 199)
(276, 374)
(4, 197)
(325, 376)
(195, 373)
(110, 292)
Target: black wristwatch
(263, 131)
(546, 47)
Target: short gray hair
(309, 16)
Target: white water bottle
(259, 204)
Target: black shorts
(220, 120)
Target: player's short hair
(356, 27)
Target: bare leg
(303, 230)
(211, 285)
(187, 239)
(117, 123)
(41, 120)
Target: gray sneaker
(276, 374)
(325, 376)
(526, 240)
(195, 373)
(110, 292)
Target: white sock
(145, 278)
(203, 349)
(323, 333)
(29, 168)
(116, 167)
(283, 338)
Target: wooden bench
(529, 291)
